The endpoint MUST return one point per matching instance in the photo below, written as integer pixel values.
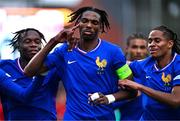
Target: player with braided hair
(161, 75)
(93, 65)
(41, 106)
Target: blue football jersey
(88, 72)
(41, 106)
(158, 79)
(10, 88)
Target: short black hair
(169, 34)
(75, 16)
(135, 36)
(19, 35)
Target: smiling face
(158, 44)
(30, 44)
(89, 26)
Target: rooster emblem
(166, 79)
(101, 64)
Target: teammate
(161, 74)
(136, 50)
(94, 65)
(136, 47)
(42, 105)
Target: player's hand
(96, 100)
(72, 43)
(129, 84)
(65, 35)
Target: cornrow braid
(76, 16)
(19, 35)
(169, 34)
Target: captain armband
(124, 72)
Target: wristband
(94, 96)
(110, 98)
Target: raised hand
(65, 34)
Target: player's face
(89, 25)
(30, 44)
(137, 49)
(158, 45)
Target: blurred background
(50, 16)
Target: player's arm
(127, 93)
(10, 88)
(36, 65)
(172, 99)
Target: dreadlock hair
(169, 34)
(135, 36)
(76, 16)
(19, 35)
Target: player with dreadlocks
(94, 65)
(161, 73)
(41, 106)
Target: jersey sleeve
(136, 68)
(10, 88)
(55, 57)
(176, 79)
(122, 69)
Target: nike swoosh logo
(148, 77)
(70, 62)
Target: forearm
(35, 66)
(125, 94)
(166, 98)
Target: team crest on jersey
(166, 79)
(101, 65)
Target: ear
(170, 43)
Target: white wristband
(94, 96)
(110, 98)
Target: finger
(75, 27)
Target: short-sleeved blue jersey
(41, 106)
(158, 79)
(88, 72)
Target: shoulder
(111, 47)
(143, 63)
(4, 62)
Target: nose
(34, 44)
(89, 24)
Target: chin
(88, 38)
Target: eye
(134, 47)
(84, 20)
(157, 40)
(37, 41)
(27, 41)
(95, 22)
(149, 40)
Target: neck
(23, 62)
(88, 45)
(164, 61)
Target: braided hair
(76, 16)
(19, 35)
(169, 34)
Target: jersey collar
(84, 52)
(157, 69)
